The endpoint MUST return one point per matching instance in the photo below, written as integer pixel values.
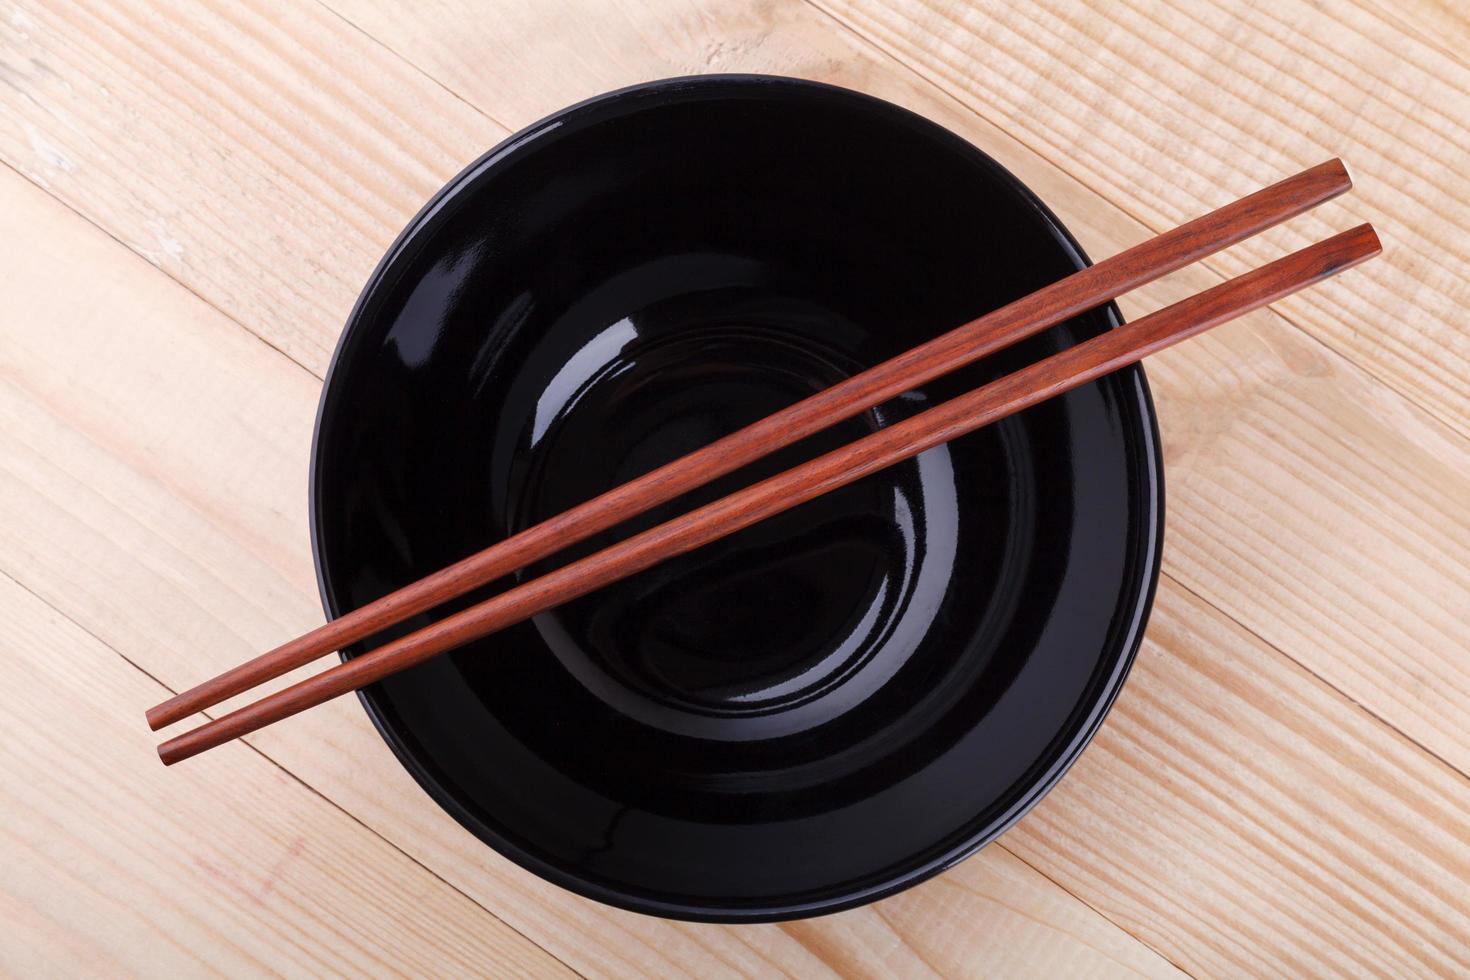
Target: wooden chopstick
(1045, 379)
(1046, 307)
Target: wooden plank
(263, 154)
(1232, 791)
(121, 424)
(1160, 112)
(114, 868)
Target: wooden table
(193, 196)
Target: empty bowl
(828, 706)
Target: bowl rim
(1124, 642)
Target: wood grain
(1294, 833)
(111, 870)
(302, 144)
(104, 513)
(1157, 112)
(265, 155)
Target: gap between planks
(417, 69)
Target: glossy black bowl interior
(830, 705)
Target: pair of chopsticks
(1045, 379)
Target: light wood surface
(193, 195)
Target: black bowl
(828, 706)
